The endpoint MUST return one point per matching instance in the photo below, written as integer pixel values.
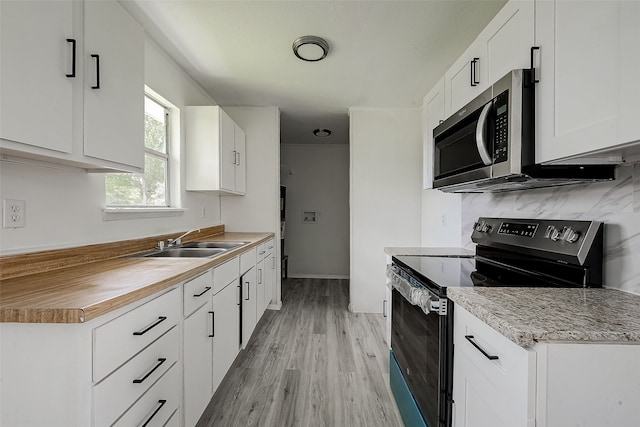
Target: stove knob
(571, 235)
(480, 227)
(486, 228)
(555, 234)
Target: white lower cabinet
(226, 330)
(155, 362)
(249, 304)
(550, 384)
(198, 362)
(269, 274)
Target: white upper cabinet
(587, 97)
(432, 116)
(114, 84)
(502, 46)
(215, 147)
(53, 107)
(36, 69)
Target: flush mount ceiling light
(322, 133)
(310, 48)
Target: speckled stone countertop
(529, 315)
(417, 251)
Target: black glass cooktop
(439, 273)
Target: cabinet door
(577, 97)
(35, 93)
(508, 39)
(226, 308)
(113, 85)
(228, 154)
(197, 360)
(249, 305)
(260, 289)
(466, 77)
(241, 165)
(433, 110)
(629, 87)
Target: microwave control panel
(501, 128)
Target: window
(151, 188)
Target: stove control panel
(482, 227)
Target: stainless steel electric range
(509, 253)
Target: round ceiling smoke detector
(322, 133)
(310, 48)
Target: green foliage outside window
(150, 187)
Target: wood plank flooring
(313, 363)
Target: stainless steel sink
(223, 245)
(181, 252)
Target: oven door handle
(480, 130)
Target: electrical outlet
(13, 213)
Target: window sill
(117, 214)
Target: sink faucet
(178, 240)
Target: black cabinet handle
(473, 66)
(239, 299)
(161, 404)
(153, 325)
(213, 324)
(203, 292)
(97, 57)
(140, 380)
(533, 69)
(73, 57)
(247, 298)
(482, 350)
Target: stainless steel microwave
(489, 144)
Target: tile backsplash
(616, 203)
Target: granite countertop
(421, 251)
(80, 293)
(529, 315)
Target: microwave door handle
(480, 143)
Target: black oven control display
(501, 128)
(518, 229)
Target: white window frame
(172, 181)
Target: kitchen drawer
(197, 292)
(117, 341)
(269, 247)
(262, 251)
(511, 358)
(225, 274)
(506, 379)
(157, 405)
(121, 389)
(247, 260)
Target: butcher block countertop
(529, 315)
(79, 293)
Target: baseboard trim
(277, 306)
(318, 276)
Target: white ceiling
(383, 54)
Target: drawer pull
(213, 324)
(161, 404)
(207, 289)
(261, 252)
(148, 328)
(140, 380)
(482, 350)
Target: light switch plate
(13, 213)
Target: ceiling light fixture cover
(322, 133)
(310, 48)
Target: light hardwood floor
(313, 363)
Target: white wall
(616, 203)
(320, 182)
(64, 206)
(441, 219)
(385, 196)
(259, 209)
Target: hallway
(313, 363)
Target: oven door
(415, 341)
